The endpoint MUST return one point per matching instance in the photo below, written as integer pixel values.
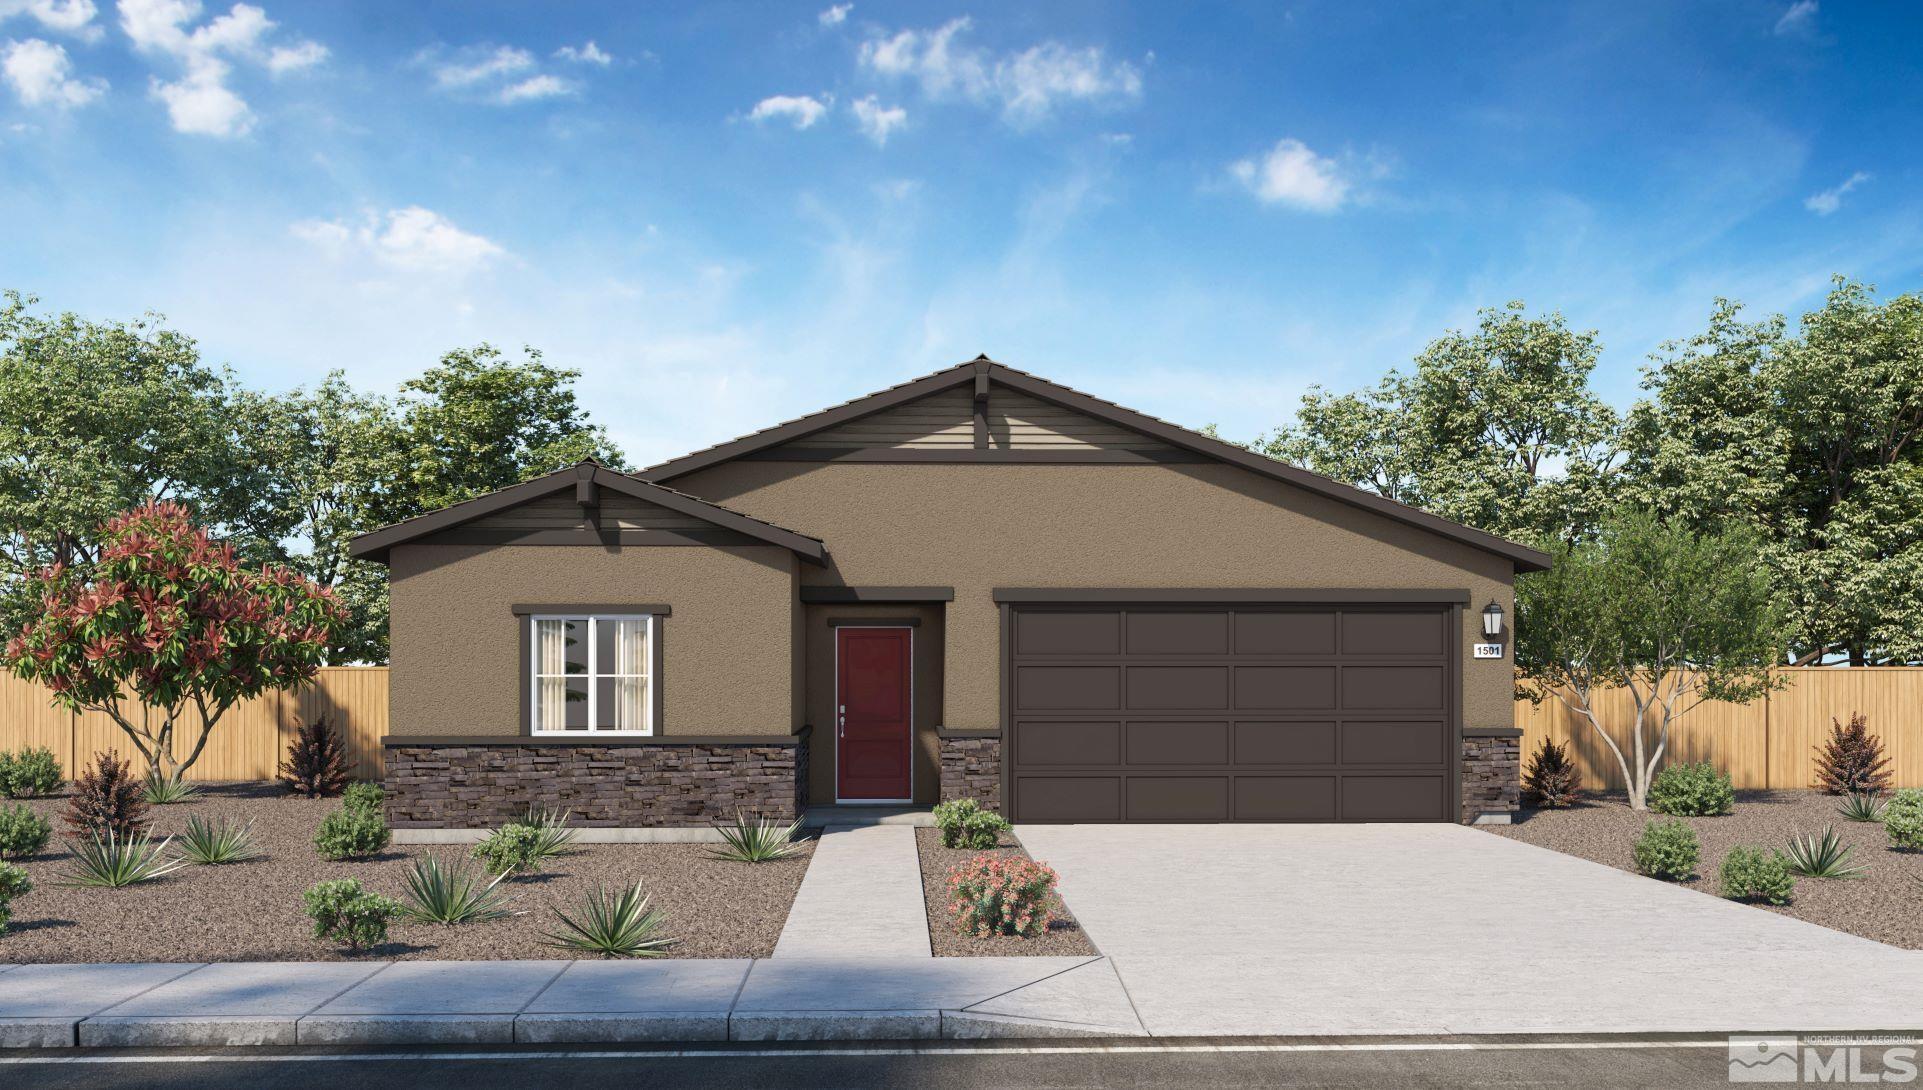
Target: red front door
(872, 692)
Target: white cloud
(836, 15)
(40, 74)
(1800, 18)
(73, 17)
(201, 102)
(1829, 200)
(877, 121)
(532, 88)
(587, 54)
(412, 239)
(1293, 174)
(495, 64)
(801, 110)
(1028, 86)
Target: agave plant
(615, 925)
(221, 841)
(120, 861)
(450, 895)
(1828, 857)
(756, 840)
(164, 790)
(553, 835)
(1862, 806)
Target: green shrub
(352, 833)
(13, 883)
(212, 843)
(996, 895)
(615, 925)
(753, 840)
(29, 773)
(1752, 874)
(22, 832)
(1691, 790)
(363, 796)
(1668, 850)
(511, 848)
(347, 914)
(964, 824)
(1903, 818)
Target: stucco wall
(729, 646)
(820, 685)
(977, 527)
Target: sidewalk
(552, 1002)
(861, 897)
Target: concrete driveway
(1364, 929)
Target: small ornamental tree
(166, 618)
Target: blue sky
(730, 214)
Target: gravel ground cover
(252, 911)
(1065, 937)
(1885, 904)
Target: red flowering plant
(1002, 895)
(167, 618)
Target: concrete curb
(407, 1029)
(901, 1025)
(616, 1029)
(166, 1031)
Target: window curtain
(630, 667)
(550, 669)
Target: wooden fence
(1766, 743)
(1769, 742)
(247, 744)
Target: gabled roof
(983, 369)
(584, 477)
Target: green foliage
(613, 924)
(216, 842)
(450, 894)
(1551, 781)
(1862, 806)
(161, 789)
(964, 824)
(755, 840)
(30, 773)
(1668, 850)
(346, 914)
(1903, 819)
(1825, 857)
(23, 833)
(107, 798)
(995, 895)
(511, 848)
(352, 833)
(362, 795)
(1673, 616)
(1853, 759)
(1752, 874)
(1690, 789)
(113, 861)
(316, 764)
(13, 883)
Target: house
(975, 584)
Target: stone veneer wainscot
(971, 768)
(1491, 775)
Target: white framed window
(592, 674)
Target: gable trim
(1091, 456)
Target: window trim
(531, 675)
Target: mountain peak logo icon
(1763, 1059)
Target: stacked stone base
(1491, 776)
(627, 786)
(971, 768)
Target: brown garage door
(1220, 713)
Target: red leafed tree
(167, 619)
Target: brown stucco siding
(820, 693)
(977, 527)
(728, 646)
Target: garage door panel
(1284, 688)
(1284, 633)
(1393, 798)
(1189, 743)
(1153, 688)
(1178, 633)
(1367, 742)
(1049, 632)
(1068, 798)
(1386, 633)
(1285, 798)
(1385, 688)
(1178, 798)
(1068, 688)
(1285, 743)
(1045, 742)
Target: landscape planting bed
(1885, 904)
(252, 911)
(1065, 938)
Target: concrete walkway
(1440, 929)
(861, 898)
(547, 1002)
